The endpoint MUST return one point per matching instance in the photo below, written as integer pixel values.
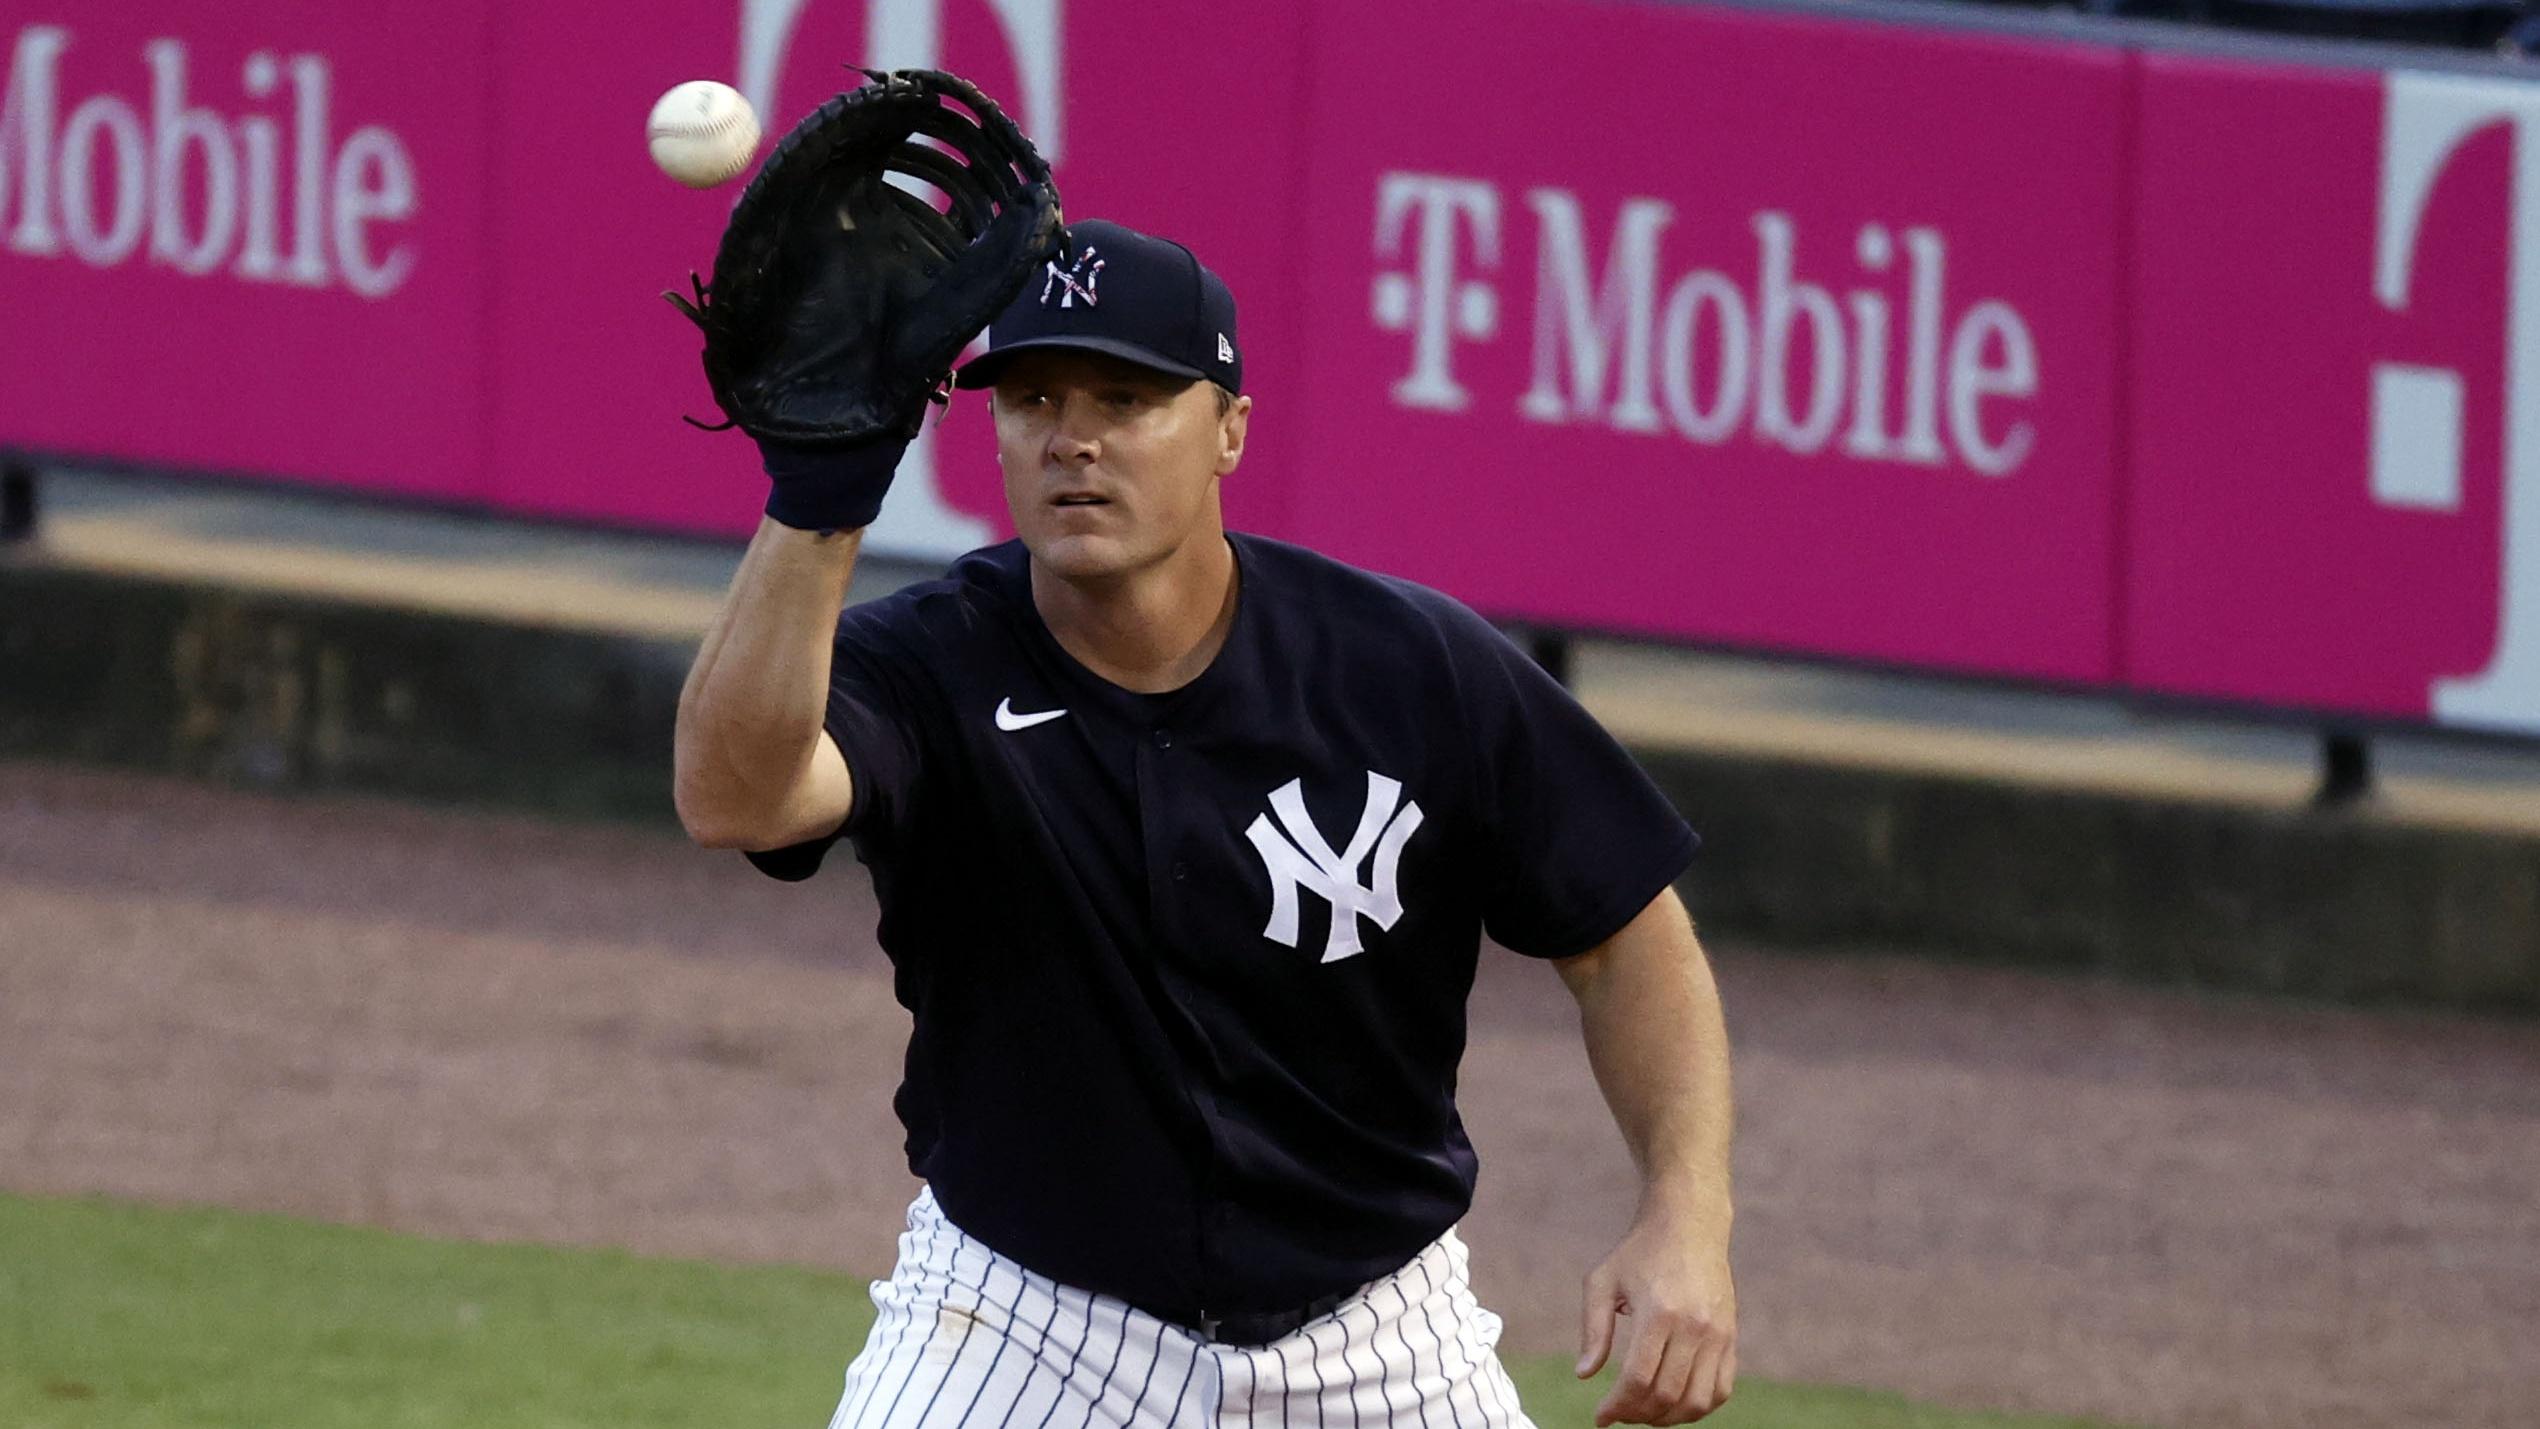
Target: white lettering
(308, 185)
(1971, 380)
(1930, 258)
(261, 138)
(1868, 438)
(2427, 119)
(111, 244)
(1428, 302)
(97, 181)
(373, 180)
(26, 137)
(1566, 317)
(1676, 349)
(1784, 300)
(180, 128)
(1787, 361)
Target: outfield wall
(2039, 354)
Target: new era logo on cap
(1136, 297)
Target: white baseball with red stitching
(702, 133)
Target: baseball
(702, 133)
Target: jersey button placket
(1156, 817)
(1159, 818)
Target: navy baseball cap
(1113, 289)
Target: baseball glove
(839, 300)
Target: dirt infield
(1979, 1187)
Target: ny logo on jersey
(1078, 280)
(1304, 858)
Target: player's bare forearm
(1650, 1013)
(752, 765)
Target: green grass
(116, 1316)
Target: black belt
(1254, 1329)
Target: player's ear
(1232, 426)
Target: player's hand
(1666, 1295)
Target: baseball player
(1185, 842)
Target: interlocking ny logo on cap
(1309, 863)
(1079, 280)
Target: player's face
(1111, 468)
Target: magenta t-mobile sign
(2336, 430)
(1977, 352)
(2418, 411)
(285, 199)
(1706, 355)
(1767, 366)
(252, 246)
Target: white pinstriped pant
(968, 1337)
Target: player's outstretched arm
(753, 766)
(836, 311)
(1650, 1013)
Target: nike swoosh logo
(1009, 721)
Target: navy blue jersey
(1189, 970)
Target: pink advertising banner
(2336, 444)
(1936, 347)
(420, 248)
(1175, 115)
(257, 245)
(1815, 349)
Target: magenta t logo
(2416, 411)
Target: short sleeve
(1578, 840)
(875, 696)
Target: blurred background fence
(2132, 357)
